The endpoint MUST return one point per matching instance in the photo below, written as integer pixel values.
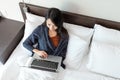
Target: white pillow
(104, 56)
(106, 35)
(32, 22)
(104, 59)
(29, 27)
(34, 18)
(81, 31)
(78, 46)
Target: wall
(106, 9)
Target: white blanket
(35, 74)
(14, 70)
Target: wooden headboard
(73, 18)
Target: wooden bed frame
(73, 18)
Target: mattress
(15, 65)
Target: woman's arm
(30, 41)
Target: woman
(51, 38)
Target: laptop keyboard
(45, 63)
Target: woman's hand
(42, 54)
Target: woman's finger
(45, 55)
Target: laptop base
(35, 67)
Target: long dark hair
(57, 18)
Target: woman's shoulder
(65, 33)
(39, 28)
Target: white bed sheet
(1, 70)
(13, 69)
(84, 74)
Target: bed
(88, 36)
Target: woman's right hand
(42, 54)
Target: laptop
(51, 63)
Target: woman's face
(51, 25)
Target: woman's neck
(52, 33)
